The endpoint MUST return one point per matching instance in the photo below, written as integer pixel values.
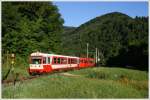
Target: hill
(121, 40)
(67, 30)
(66, 34)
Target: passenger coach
(45, 63)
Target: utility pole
(96, 56)
(87, 50)
(7, 59)
(98, 59)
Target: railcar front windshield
(36, 60)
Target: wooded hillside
(121, 40)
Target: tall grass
(109, 73)
(94, 83)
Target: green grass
(109, 73)
(93, 83)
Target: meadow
(97, 82)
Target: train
(46, 63)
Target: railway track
(19, 78)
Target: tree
(31, 26)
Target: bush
(98, 75)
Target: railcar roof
(46, 54)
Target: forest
(38, 26)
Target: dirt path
(68, 74)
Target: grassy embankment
(92, 83)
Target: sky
(77, 13)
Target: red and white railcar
(45, 63)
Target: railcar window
(68, 61)
(36, 61)
(73, 61)
(63, 60)
(49, 60)
(58, 60)
(55, 60)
